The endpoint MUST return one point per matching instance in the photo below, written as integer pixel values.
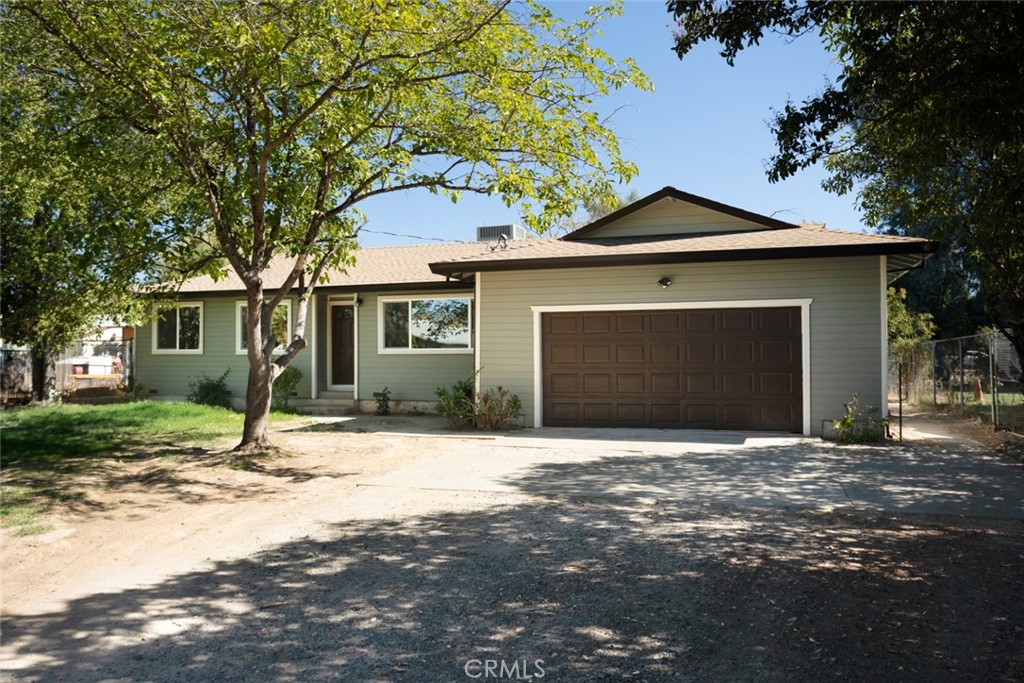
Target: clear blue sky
(703, 130)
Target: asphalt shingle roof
(375, 266)
(703, 246)
(433, 264)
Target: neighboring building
(101, 361)
(674, 311)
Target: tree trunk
(263, 370)
(255, 432)
(42, 378)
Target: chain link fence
(976, 376)
(88, 368)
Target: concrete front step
(334, 395)
(324, 406)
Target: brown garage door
(699, 369)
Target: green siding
(846, 322)
(170, 374)
(411, 376)
(672, 217)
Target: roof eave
(458, 269)
(342, 289)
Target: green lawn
(59, 433)
(43, 448)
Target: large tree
(286, 115)
(81, 207)
(925, 121)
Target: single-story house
(674, 311)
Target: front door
(343, 344)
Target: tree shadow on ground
(156, 469)
(597, 590)
(922, 478)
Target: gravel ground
(576, 590)
(454, 586)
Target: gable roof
(672, 193)
(381, 268)
(453, 264)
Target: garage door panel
(737, 320)
(599, 413)
(665, 353)
(563, 413)
(597, 383)
(738, 352)
(738, 383)
(701, 415)
(630, 323)
(665, 383)
(776, 383)
(776, 417)
(737, 416)
(776, 352)
(666, 414)
(664, 322)
(701, 382)
(629, 414)
(597, 323)
(701, 352)
(630, 353)
(726, 368)
(630, 383)
(700, 321)
(775, 320)
(564, 383)
(560, 353)
(563, 325)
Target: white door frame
(331, 303)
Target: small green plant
(383, 401)
(493, 409)
(284, 386)
(497, 408)
(210, 392)
(455, 403)
(137, 391)
(857, 426)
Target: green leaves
(926, 121)
(907, 329)
(83, 204)
(284, 116)
(260, 104)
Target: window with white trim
(179, 329)
(426, 325)
(281, 325)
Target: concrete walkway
(931, 472)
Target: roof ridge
(882, 235)
(419, 246)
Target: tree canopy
(284, 116)
(907, 329)
(925, 121)
(81, 205)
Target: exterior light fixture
(665, 282)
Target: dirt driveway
(347, 560)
